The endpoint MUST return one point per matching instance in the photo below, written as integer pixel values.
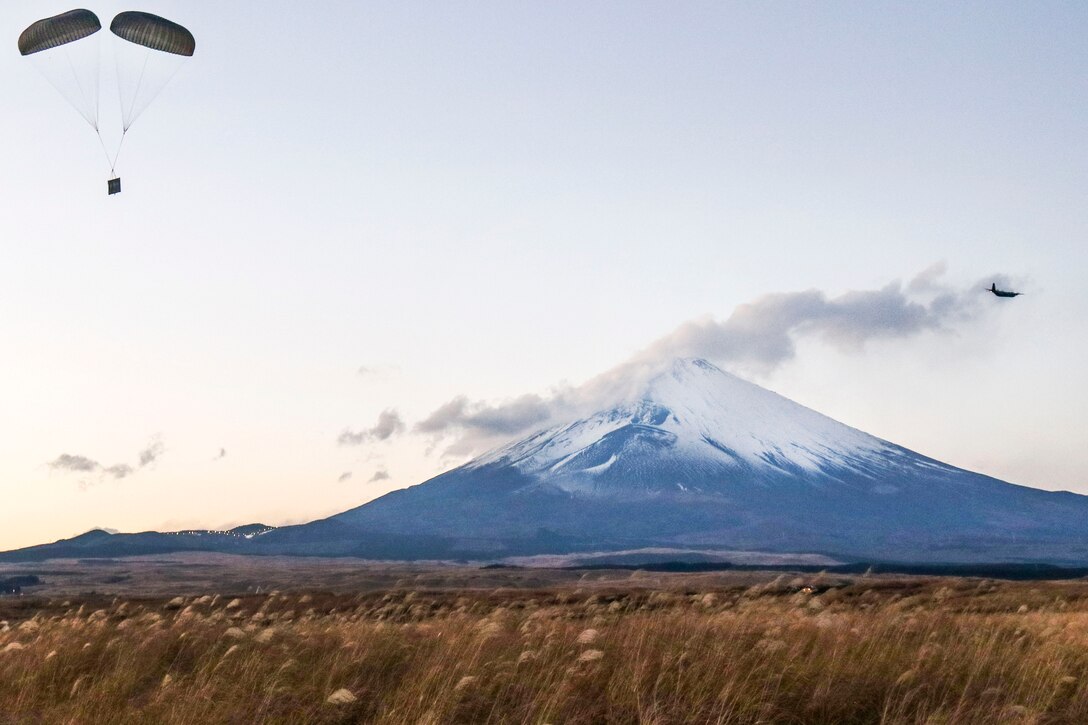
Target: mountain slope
(700, 458)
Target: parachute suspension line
(113, 164)
(98, 84)
(98, 109)
(127, 119)
(60, 90)
(155, 91)
(158, 83)
(111, 161)
(82, 95)
(106, 151)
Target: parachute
(63, 49)
(58, 30)
(154, 32)
(161, 46)
(66, 48)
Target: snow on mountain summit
(699, 414)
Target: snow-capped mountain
(701, 458)
(694, 428)
(695, 459)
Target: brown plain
(189, 640)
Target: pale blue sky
(491, 198)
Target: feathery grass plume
(77, 685)
(588, 636)
(343, 696)
(489, 629)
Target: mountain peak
(693, 378)
(694, 365)
(688, 371)
(690, 418)
(712, 407)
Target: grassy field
(600, 647)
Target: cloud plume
(69, 463)
(754, 340)
(509, 417)
(81, 464)
(151, 453)
(389, 424)
(763, 334)
(119, 470)
(77, 464)
(371, 371)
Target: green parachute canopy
(153, 32)
(59, 30)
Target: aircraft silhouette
(1002, 293)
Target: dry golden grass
(789, 650)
